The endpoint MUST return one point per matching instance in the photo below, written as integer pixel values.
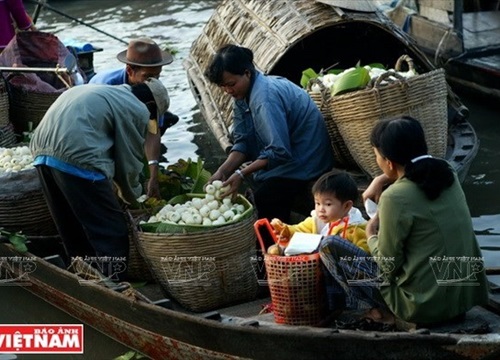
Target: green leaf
(17, 239)
(200, 182)
(377, 65)
(307, 75)
(127, 356)
(335, 71)
(138, 285)
(355, 79)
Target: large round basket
(204, 267)
(343, 157)
(7, 135)
(23, 206)
(4, 103)
(423, 97)
(27, 107)
(138, 270)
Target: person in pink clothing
(12, 15)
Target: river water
(176, 24)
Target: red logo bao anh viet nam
(40, 339)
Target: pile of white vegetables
(15, 159)
(329, 80)
(209, 210)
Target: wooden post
(458, 10)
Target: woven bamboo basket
(7, 135)
(22, 204)
(343, 157)
(423, 97)
(26, 212)
(4, 103)
(269, 28)
(137, 268)
(204, 268)
(27, 108)
(287, 37)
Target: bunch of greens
(348, 80)
(182, 177)
(185, 176)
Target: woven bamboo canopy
(287, 37)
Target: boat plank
(447, 5)
(436, 15)
(485, 62)
(481, 29)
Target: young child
(334, 195)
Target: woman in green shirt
(422, 234)
(425, 265)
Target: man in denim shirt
(277, 127)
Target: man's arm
(152, 152)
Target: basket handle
(324, 91)
(408, 60)
(317, 81)
(257, 227)
(385, 76)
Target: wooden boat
(461, 36)
(160, 329)
(288, 37)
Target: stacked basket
(204, 267)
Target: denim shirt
(110, 77)
(282, 124)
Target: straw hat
(144, 52)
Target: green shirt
(428, 253)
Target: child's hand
(280, 229)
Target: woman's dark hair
(338, 183)
(144, 94)
(403, 139)
(231, 58)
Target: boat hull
(162, 333)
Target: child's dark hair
(403, 139)
(144, 94)
(338, 183)
(231, 58)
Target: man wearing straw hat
(88, 147)
(144, 59)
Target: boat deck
(478, 320)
